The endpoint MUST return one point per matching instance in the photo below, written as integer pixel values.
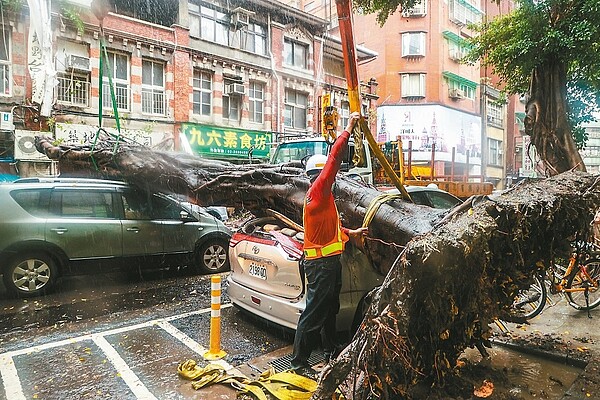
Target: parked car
(431, 196)
(57, 226)
(266, 280)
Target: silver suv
(56, 226)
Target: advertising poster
(428, 124)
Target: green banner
(217, 142)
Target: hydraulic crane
(344, 11)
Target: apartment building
(442, 108)
(222, 79)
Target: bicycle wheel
(530, 302)
(579, 280)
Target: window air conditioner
(455, 55)
(456, 94)
(25, 147)
(77, 63)
(408, 13)
(240, 18)
(235, 88)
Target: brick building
(218, 78)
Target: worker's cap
(315, 164)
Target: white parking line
(131, 379)
(10, 378)
(12, 383)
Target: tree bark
(453, 278)
(252, 187)
(547, 123)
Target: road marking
(12, 383)
(196, 347)
(10, 378)
(131, 379)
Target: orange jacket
(323, 232)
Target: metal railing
(73, 90)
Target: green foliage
(71, 13)
(546, 32)
(12, 5)
(383, 8)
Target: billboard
(221, 142)
(425, 125)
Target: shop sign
(220, 142)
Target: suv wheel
(30, 274)
(212, 256)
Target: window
(459, 87)
(153, 87)
(231, 104)
(495, 113)
(73, 89)
(457, 46)
(413, 44)
(464, 12)
(413, 85)
(83, 204)
(5, 63)
(117, 67)
(208, 23)
(420, 9)
(202, 101)
(295, 109)
(256, 96)
(344, 114)
(254, 39)
(495, 152)
(295, 54)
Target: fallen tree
(453, 277)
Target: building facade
(441, 107)
(220, 79)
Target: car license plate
(257, 270)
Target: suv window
(165, 209)
(82, 204)
(35, 201)
(136, 205)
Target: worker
(324, 242)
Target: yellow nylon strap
(282, 385)
(375, 204)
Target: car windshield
(287, 152)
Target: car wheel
(30, 274)
(212, 256)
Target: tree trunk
(453, 278)
(547, 123)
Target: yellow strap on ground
(375, 204)
(296, 380)
(283, 385)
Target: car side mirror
(185, 216)
(345, 167)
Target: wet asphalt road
(120, 336)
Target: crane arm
(344, 11)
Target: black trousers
(324, 277)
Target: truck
(301, 149)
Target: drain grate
(284, 363)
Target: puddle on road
(528, 377)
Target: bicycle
(579, 283)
